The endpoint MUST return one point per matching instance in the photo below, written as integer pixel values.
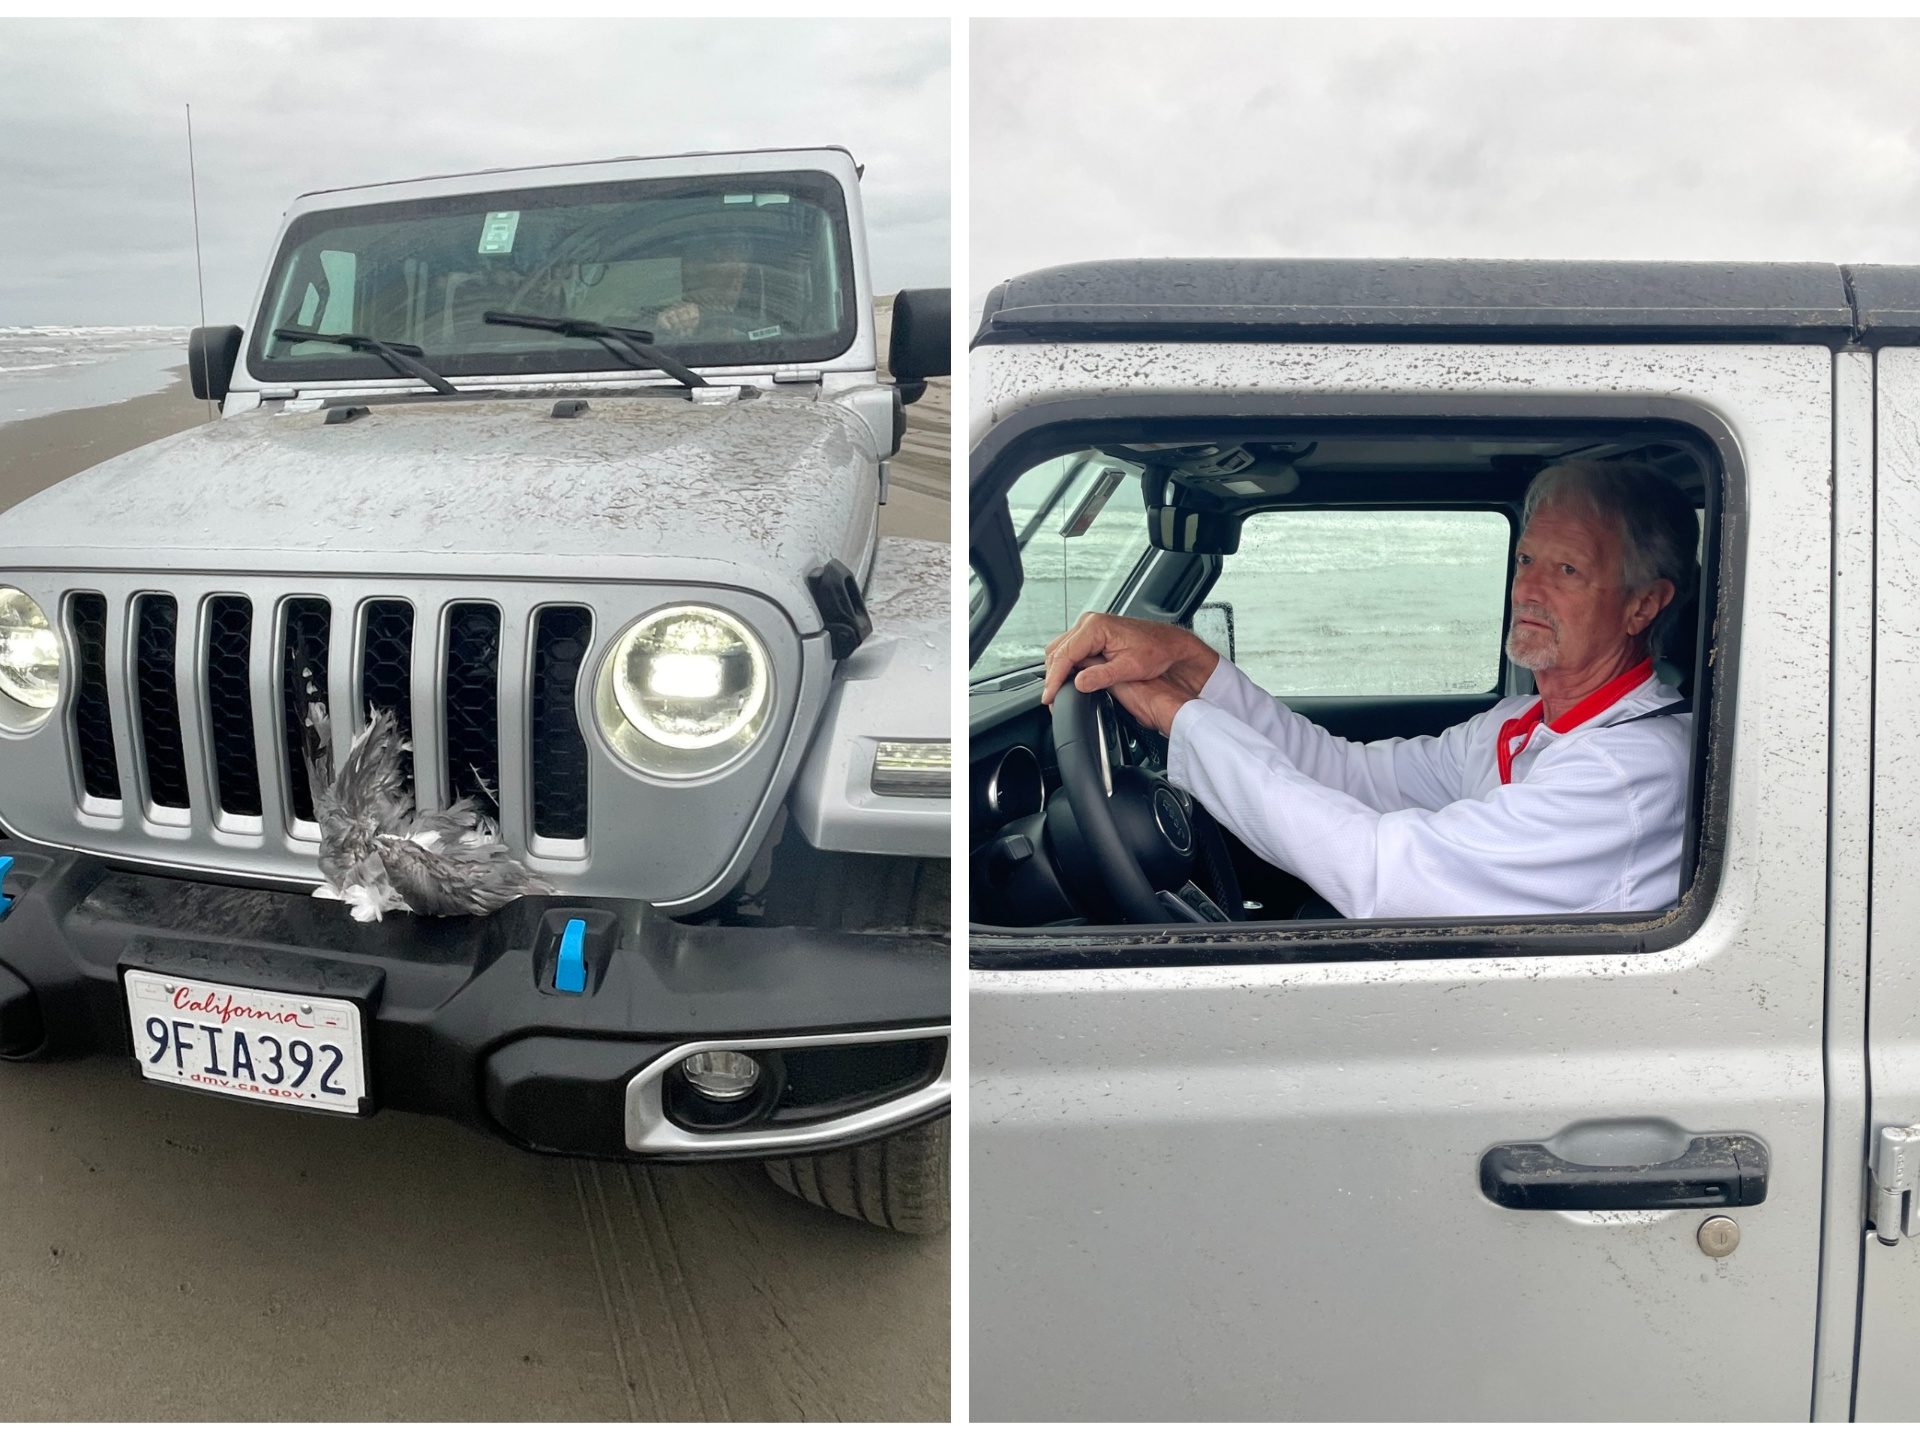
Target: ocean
(45, 369)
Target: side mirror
(1213, 623)
(212, 352)
(922, 345)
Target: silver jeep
(577, 471)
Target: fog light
(723, 1075)
(910, 767)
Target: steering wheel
(1124, 833)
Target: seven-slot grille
(195, 676)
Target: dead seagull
(379, 854)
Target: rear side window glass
(1365, 602)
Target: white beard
(1532, 649)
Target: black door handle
(1717, 1171)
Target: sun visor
(1187, 520)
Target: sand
(36, 452)
(169, 1256)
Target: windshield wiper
(404, 358)
(633, 346)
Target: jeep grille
(222, 672)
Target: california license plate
(257, 1044)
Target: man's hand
(1123, 649)
(678, 320)
(1153, 703)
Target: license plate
(257, 1044)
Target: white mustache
(1535, 613)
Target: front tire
(899, 1183)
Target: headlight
(690, 690)
(29, 652)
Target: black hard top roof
(1811, 303)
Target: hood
(751, 494)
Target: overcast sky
(1732, 140)
(93, 158)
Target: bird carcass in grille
(378, 853)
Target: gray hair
(1659, 532)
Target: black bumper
(461, 1017)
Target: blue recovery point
(570, 970)
(6, 864)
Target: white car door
(1230, 1174)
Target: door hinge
(1894, 1175)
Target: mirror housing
(922, 345)
(1187, 520)
(212, 352)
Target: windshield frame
(575, 357)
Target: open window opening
(1362, 573)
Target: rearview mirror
(922, 344)
(212, 352)
(1187, 520)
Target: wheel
(899, 1183)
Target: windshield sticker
(766, 334)
(496, 236)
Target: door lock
(1895, 1175)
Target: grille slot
(386, 667)
(92, 717)
(303, 680)
(473, 705)
(159, 701)
(236, 772)
(559, 749)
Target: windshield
(732, 270)
(1081, 523)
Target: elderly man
(1572, 800)
(715, 306)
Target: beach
(42, 449)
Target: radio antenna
(193, 181)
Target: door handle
(1716, 1171)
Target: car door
(1238, 1173)
(1890, 1265)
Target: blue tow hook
(570, 969)
(6, 864)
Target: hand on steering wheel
(707, 319)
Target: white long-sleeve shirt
(1589, 815)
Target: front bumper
(462, 1019)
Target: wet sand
(168, 1256)
(36, 452)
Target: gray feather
(378, 854)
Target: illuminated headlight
(913, 767)
(29, 652)
(689, 690)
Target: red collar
(1515, 734)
